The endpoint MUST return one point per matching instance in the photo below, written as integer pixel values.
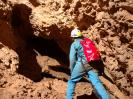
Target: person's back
(79, 50)
(77, 66)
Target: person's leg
(70, 89)
(97, 84)
(76, 75)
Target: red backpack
(90, 50)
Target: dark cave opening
(48, 47)
(29, 66)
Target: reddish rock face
(24, 22)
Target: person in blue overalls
(78, 70)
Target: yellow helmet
(76, 33)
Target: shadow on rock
(23, 31)
(92, 96)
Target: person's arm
(72, 57)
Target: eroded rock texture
(24, 21)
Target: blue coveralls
(77, 72)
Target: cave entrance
(48, 47)
(29, 66)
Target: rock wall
(15, 32)
(110, 23)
